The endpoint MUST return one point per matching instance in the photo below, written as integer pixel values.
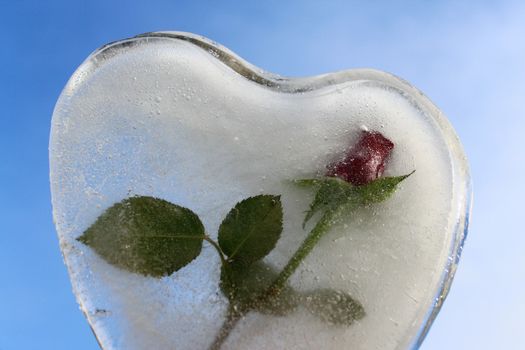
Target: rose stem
(275, 288)
(229, 324)
(233, 315)
(217, 248)
(302, 252)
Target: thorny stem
(234, 316)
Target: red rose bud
(365, 161)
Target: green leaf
(251, 229)
(380, 189)
(331, 194)
(336, 196)
(146, 235)
(333, 306)
(243, 286)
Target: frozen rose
(365, 161)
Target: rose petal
(365, 161)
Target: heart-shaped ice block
(178, 117)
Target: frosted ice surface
(166, 118)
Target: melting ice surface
(165, 118)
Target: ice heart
(178, 117)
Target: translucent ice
(177, 117)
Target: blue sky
(468, 57)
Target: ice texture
(163, 117)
